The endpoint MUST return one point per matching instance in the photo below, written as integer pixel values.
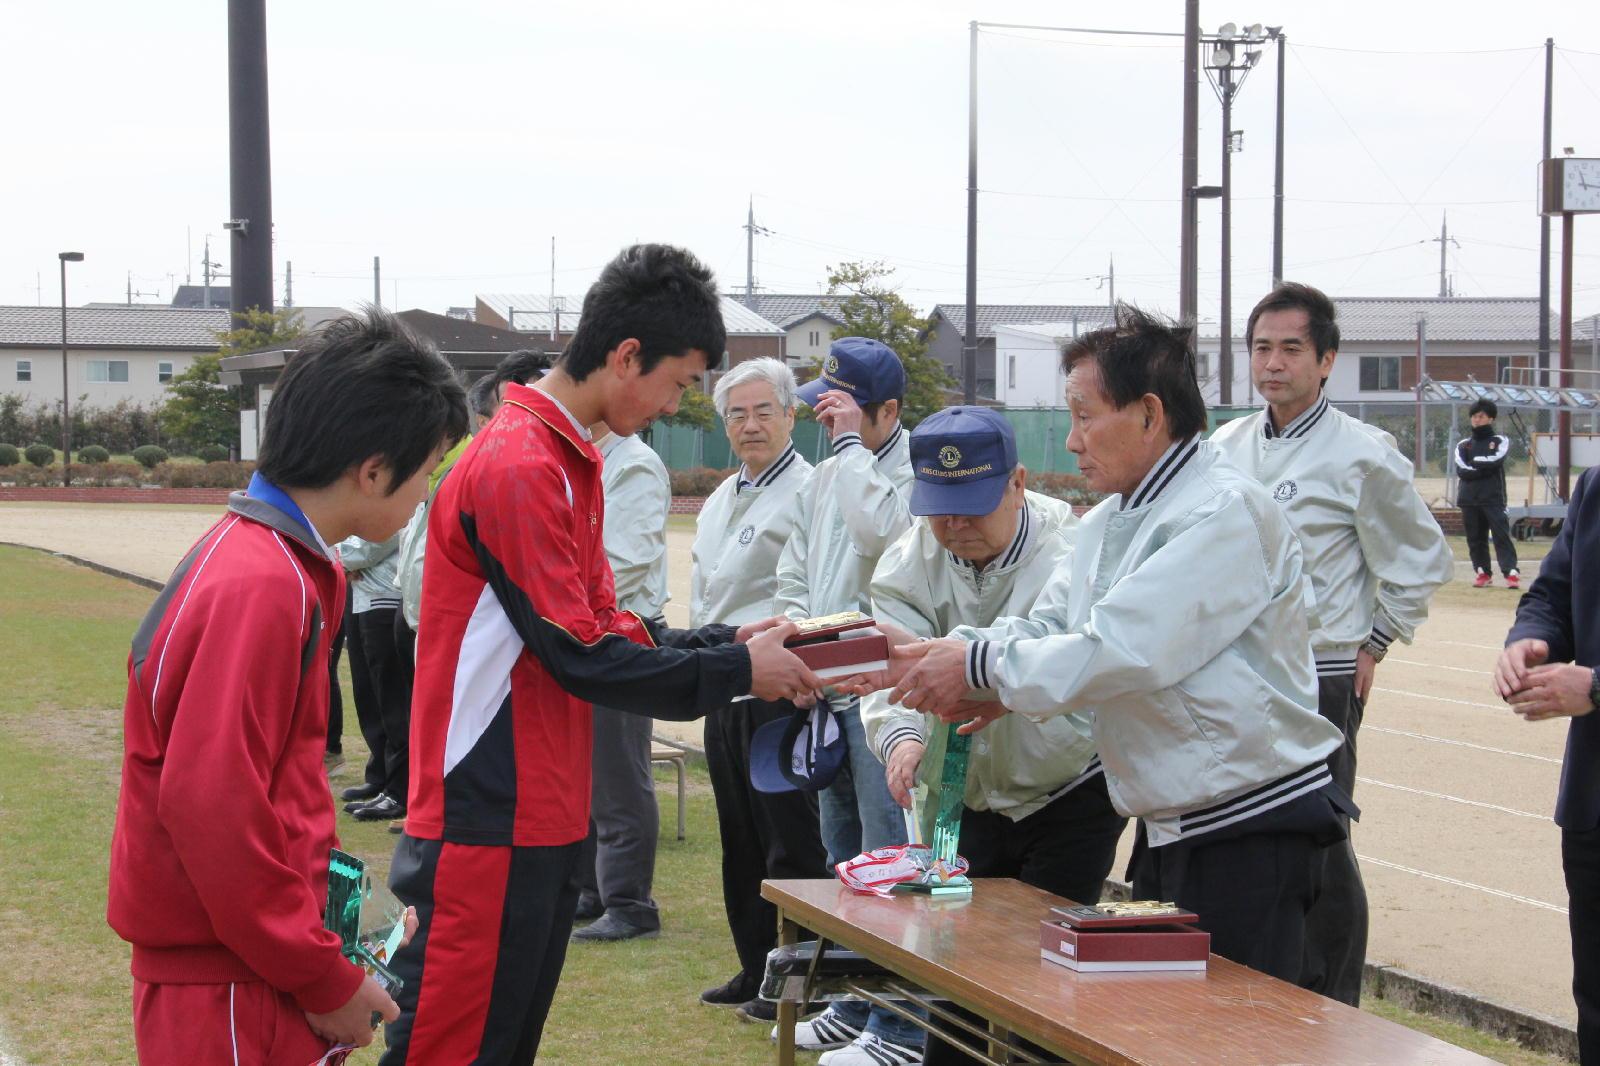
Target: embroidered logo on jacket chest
(1286, 491)
(746, 535)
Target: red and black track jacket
(519, 633)
(219, 860)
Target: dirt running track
(1462, 862)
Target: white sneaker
(870, 1050)
(823, 1033)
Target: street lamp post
(1233, 53)
(66, 414)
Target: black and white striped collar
(1301, 424)
(1014, 552)
(770, 474)
(1160, 476)
(888, 446)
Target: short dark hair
(1143, 354)
(657, 294)
(1294, 296)
(1486, 407)
(871, 411)
(520, 366)
(363, 385)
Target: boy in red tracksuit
(519, 633)
(219, 859)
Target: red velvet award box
(836, 646)
(1136, 936)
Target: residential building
(553, 320)
(808, 322)
(948, 322)
(119, 352)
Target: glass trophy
(947, 786)
(369, 927)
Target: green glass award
(947, 750)
(370, 930)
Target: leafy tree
(694, 409)
(201, 410)
(871, 307)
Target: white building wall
(142, 387)
(808, 340)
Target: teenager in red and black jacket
(219, 859)
(519, 633)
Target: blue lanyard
(268, 493)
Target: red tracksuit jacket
(219, 860)
(519, 633)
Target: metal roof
(1450, 318)
(787, 309)
(534, 313)
(136, 326)
(1089, 316)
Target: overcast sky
(454, 140)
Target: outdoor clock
(1569, 186)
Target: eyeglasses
(764, 415)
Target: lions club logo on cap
(1286, 491)
(746, 535)
(831, 366)
(950, 457)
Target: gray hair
(772, 371)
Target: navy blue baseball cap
(801, 753)
(867, 369)
(961, 459)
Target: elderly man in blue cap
(983, 548)
(850, 509)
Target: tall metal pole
(1225, 351)
(1187, 260)
(1444, 239)
(377, 285)
(1564, 420)
(66, 416)
(1277, 177)
(1421, 450)
(1544, 220)
(969, 341)
(249, 158)
(1111, 281)
(750, 255)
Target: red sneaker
(1514, 580)
(1483, 580)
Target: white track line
(1455, 799)
(1501, 708)
(1465, 884)
(1440, 666)
(1461, 644)
(1459, 743)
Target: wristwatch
(1594, 688)
(1374, 649)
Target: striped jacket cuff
(982, 658)
(1380, 637)
(846, 440)
(892, 739)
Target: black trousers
(1479, 523)
(492, 929)
(383, 699)
(335, 697)
(1066, 847)
(619, 860)
(1580, 861)
(763, 834)
(1251, 892)
(1336, 927)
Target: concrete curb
(145, 582)
(1415, 993)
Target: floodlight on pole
(66, 415)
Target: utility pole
(249, 159)
(1188, 229)
(288, 284)
(1445, 240)
(969, 340)
(1276, 32)
(1111, 281)
(132, 292)
(555, 314)
(1421, 449)
(205, 268)
(1234, 53)
(377, 283)
(1544, 220)
(1564, 419)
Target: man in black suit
(1548, 670)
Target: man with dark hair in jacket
(1481, 469)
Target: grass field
(66, 1002)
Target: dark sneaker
(331, 761)
(738, 991)
(609, 927)
(356, 795)
(588, 910)
(383, 809)
(761, 1011)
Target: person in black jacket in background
(1481, 469)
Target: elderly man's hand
(1560, 690)
(1511, 670)
(935, 677)
(838, 413)
(901, 770)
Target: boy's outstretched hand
(352, 1023)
